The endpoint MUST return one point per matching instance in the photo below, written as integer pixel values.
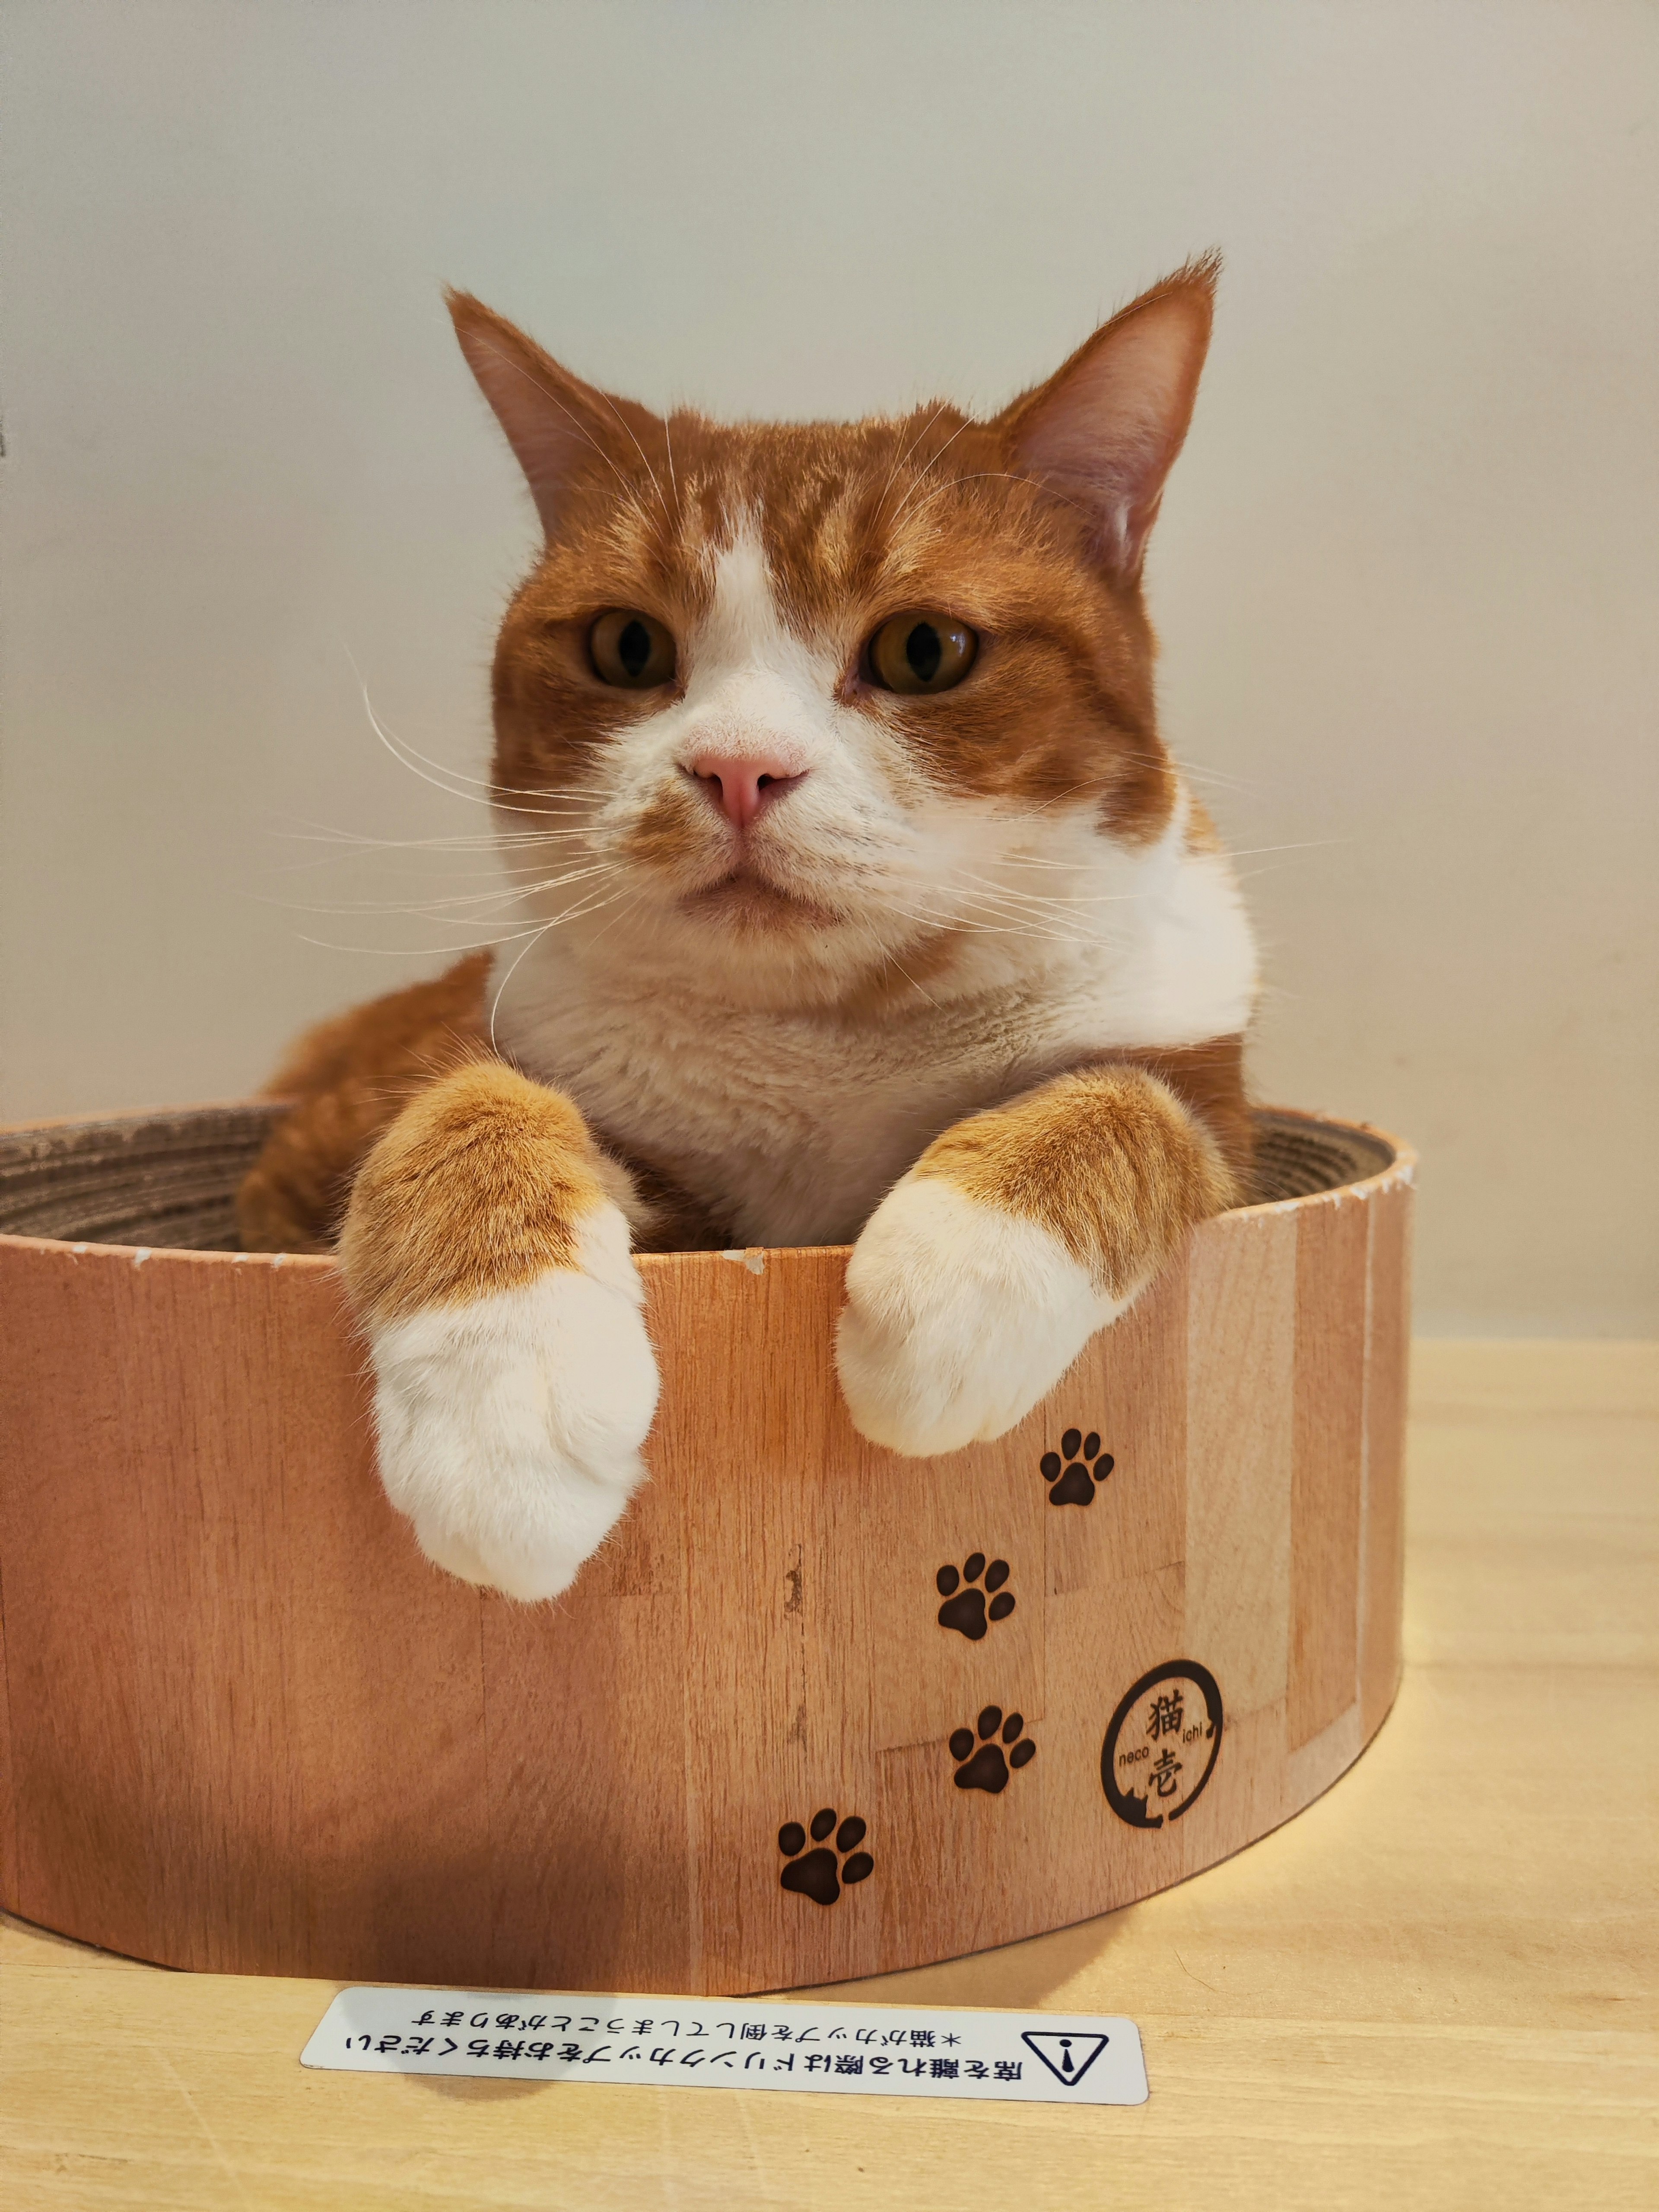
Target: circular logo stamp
(1161, 1748)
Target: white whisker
(923, 474)
(571, 914)
(905, 456)
(427, 909)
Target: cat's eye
(921, 652)
(631, 650)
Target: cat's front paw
(510, 1425)
(959, 1317)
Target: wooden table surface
(1435, 1987)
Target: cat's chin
(746, 901)
(742, 944)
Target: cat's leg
(486, 1249)
(346, 1080)
(1018, 1234)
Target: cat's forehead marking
(743, 628)
(743, 613)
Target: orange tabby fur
(1109, 1161)
(482, 1182)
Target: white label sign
(734, 2042)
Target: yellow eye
(631, 650)
(921, 652)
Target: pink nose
(741, 787)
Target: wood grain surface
(251, 1730)
(1436, 1989)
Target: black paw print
(1077, 1484)
(816, 1874)
(985, 1768)
(964, 1608)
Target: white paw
(510, 1427)
(959, 1318)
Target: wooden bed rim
(246, 1729)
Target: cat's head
(809, 709)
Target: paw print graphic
(964, 1608)
(980, 1764)
(1077, 1469)
(819, 1874)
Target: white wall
(1405, 577)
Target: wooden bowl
(778, 1733)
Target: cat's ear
(1106, 426)
(559, 427)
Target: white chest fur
(791, 1126)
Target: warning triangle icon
(1068, 2057)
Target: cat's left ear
(559, 428)
(1105, 428)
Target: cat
(883, 917)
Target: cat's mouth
(747, 899)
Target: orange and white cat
(882, 917)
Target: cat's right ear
(559, 427)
